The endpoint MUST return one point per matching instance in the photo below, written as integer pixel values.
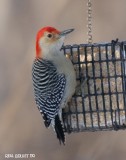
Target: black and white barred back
(49, 88)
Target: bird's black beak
(64, 33)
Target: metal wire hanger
(89, 24)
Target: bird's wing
(49, 88)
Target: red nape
(40, 34)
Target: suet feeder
(99, 102)
(100, 99)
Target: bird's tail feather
(59, 130)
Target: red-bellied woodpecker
(53, 77)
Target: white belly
(65, 66)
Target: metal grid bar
(100, 99)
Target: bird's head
(49, 41)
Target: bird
(54, 78)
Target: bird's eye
(49, 35)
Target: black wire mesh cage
(99, 102)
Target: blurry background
(21, 125)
